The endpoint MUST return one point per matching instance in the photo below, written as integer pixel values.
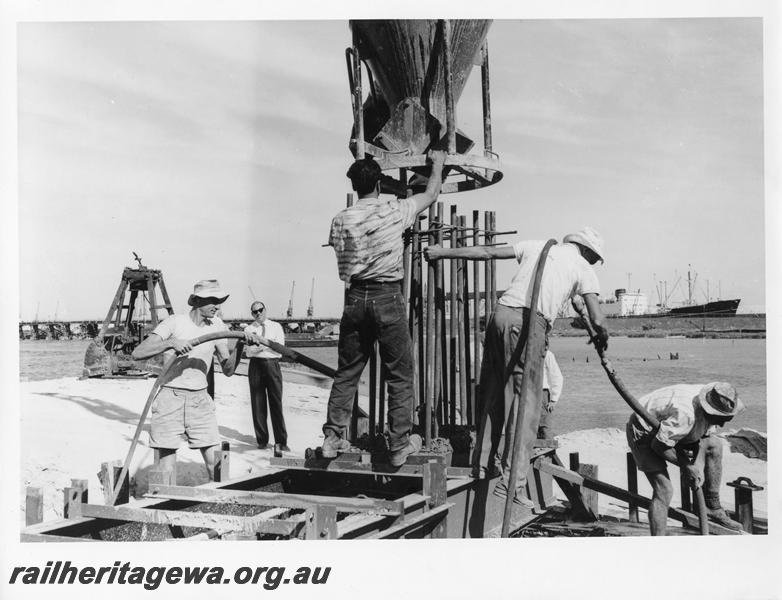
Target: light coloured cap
(720, 399)
(590, 238)
(207, 288)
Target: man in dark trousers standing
(367, 239)
(265, 380)
(568, 273)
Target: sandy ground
(71, 426)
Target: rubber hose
(208, 337)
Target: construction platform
(355, 496)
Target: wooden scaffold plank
(33, 512)
(337, 466)
(223, 523)
(584, 481)
(48, 537)
(432, 517)
(321, 522)
(303, 501)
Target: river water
(588, 400)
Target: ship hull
(713, 309)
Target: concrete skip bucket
(416, 73)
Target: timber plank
(411, 524)
(303, 501)
(572, 491)
(608, 489)
(223, 523)
(358, 524)
(33, 512)
(675, 513)
(325, 464)
(48, 537)
(320, 523)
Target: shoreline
(709, 335)
(740, 326)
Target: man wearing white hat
(567, 273)
(183, 408)
(689, 416)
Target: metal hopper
(416, 73)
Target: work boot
(519, 498)
(333, 445)
(491, 472)
(279, 449)
(720, 517)
(398, 457)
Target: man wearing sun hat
(183, 408)
(689, 416)
(567, 273)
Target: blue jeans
(374, 311)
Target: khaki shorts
(179, 414)
(647, 460)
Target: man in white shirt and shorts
(183, 407)
(689, 416)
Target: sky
(218, 149)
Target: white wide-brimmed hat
(589, 238)
(207, 288)
(720, 399)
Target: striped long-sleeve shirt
(367, 238)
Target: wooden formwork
(282, 503)
(314, 498)
(353, 498)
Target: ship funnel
(416, 73)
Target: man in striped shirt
(367, 239)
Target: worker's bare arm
(595, 312)
(435, 252)
(154, 345)
(425, 199)
(692, 469)
(597, 318)
(666, 452)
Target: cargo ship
(717, 308)
(636, 304)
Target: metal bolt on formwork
(743, 495)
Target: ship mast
(690, 284)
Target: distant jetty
(304, 332)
